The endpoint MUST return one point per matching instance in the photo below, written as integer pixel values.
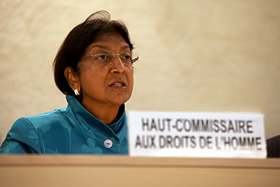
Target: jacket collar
(84, 117)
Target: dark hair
(81, 36)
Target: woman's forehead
(109, 40)
(104, 37)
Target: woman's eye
(101, 57)
(126, 57)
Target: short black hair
(78, 39)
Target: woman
(94, 69)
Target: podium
(87, 170)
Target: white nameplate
(223, 135)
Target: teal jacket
(70, 130)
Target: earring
(76, 92)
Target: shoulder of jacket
(44, 119)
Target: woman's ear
(72, 78)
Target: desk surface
(85, 170)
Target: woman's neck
(106, 114)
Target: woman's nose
(117, 64)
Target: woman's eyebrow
(99, 46)
(125, 47)
(107, 48)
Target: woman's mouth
(118, 85)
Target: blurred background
(195, 55)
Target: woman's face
(106, 85)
